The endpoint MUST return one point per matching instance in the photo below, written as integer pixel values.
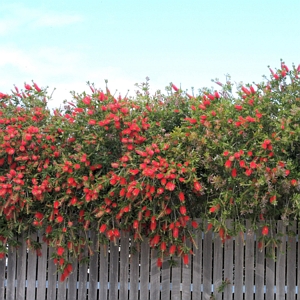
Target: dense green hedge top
(149, 164)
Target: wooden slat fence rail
(236, 270)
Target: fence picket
(11, 274)
(154, 277)
(165, 275)
(93, 268)
(103, 272)
(42, 267)
(52, 277)
(176, 279)
(144, 273)
(218, 267)
(21, 268)
(134, 272)
(259, 270)
(197, 265)
(270, 278)
(291, 262)
(2, 277)
(280, 263)
(186, 278)
(249, 264)
(72, 282)
(31, 272)
(207, 266)
(239, 249)
(228, 266)
(113, 270)
(124, 259)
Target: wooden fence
(238, 270)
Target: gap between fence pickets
(262, 275)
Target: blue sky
(64, 44)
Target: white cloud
(57, 68)
(19, 16)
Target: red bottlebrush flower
(39, 215)
(233, 172)
(217, 95)
(276, 76)
(182, 210)
(245, 90)
(287, 172)
(272, 199)
(253, 165)
(134, 171)
(60, 251)
(2, 255)
(242, 164)
(170, 186)
(214, 208)
(87, 100)
(36, 87)
(175, 233)
(69, 268)
(209, 226)
(59, 219)
(293, 182)
(238, 107)
(197, 186)
(226, 153)
(28, 87)
(56, 204)
(252, 89)
(48, 229)
(181, 196)
(260, 245)
(248, 172)
(172, 249)
(265, 230)
(163, 246)
(116, 232)
(185, 259)
(298, 68)
(159, 262)
(211, 97)
(194, 224)
(228, 164)
(175, 88)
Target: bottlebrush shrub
(149, 165)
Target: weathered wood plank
(11, 274)
(281, 263)
(72, 281)
(21, 268)
(239, 249)
(270, 278)
(124, 260)
(145, 251)
(176, 279)
(134, 272)
(103, 272)
(207, 265)
(165, 280)
(218, 267)
(228, 265)
(113, 270)
(61, 289)
(259, 269)
(249, 263)
(291, 262)
(2, 277)
(82, 278)
(186, 277)
(32, 272)
(52, 276)
(154, 277)
(42, 270)
(197, 265)
(93, 267)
